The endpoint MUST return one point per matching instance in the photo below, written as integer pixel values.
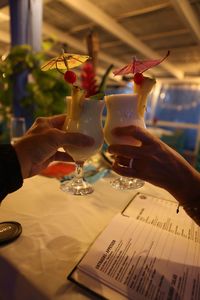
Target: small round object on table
(9, 231)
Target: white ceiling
(145, 28)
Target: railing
(180, 125)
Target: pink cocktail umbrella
(139, 66)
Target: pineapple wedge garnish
(143, 91)
(74, 106)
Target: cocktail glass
(123, 110)
(17, 129)
(88, 121)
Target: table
(57, 230)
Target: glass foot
(77, 186)
(126, 183)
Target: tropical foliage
(45, 91)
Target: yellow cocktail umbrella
(64, 61)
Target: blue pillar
(26, 27)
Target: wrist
(187, 190)
(187, 193)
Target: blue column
(26, 27)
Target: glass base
(127, 183)
(77, 186)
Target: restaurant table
(57, 230)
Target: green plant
(45, 92)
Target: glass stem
(79, 170)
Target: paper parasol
(139, 66)
(64, 61)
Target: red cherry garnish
(70, 76)
(138, 78)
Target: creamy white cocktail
(122, 110)
(87, 121)
(83, 116)
(125, 110)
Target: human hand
(39, 146)
(155, 162)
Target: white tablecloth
(57, 230)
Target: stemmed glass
(123, 110)
(87, 121)
(17, 129)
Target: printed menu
(146, 252)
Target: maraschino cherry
(70, 76)
(138, 78)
